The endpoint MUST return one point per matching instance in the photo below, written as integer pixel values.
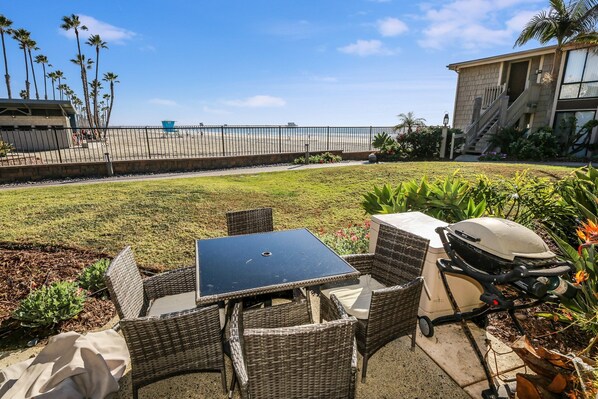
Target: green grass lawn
(161, 218)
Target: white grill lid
(502, 238)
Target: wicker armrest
(361, 262)
(150, 346)
(392, 307)
(339, 311)
(172, 282)
(236, 349)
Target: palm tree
(96, 41)
(42, 59)
(32, 44)
(409, 121)
(111, 78)
(59, 76)
(53, 78)
(567, 23)
(73, 23)
(5, 25)
(21, 36)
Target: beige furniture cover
(70, 366)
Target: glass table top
(253, 261)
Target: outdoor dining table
(240, 266)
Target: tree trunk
(109, 109)
(53, 90)
(45, 82)
(6, 75)
(26, 74)
(84, 81)
(33, 73)
(554, 74)
(96, 89)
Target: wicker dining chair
(249, 221)
(305, 361)
(165, 333)
(386, 300)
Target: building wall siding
(472, 82)
(33, 120)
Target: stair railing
(491, 94)
(524, 103)
(478, 124)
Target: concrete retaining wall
(26, 173)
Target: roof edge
(503, 57)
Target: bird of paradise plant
(583, 309)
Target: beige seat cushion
(355, 297)
(177, 303)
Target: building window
(580, 79)
(568, 128)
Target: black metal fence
(65, 145)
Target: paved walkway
(179, 175)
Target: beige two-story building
(513, 90)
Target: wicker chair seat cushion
(177, 303)
(355, 296)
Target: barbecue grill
(514, 266)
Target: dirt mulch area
(24, 267)
(541, 331)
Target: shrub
(504, 137)
(382, 140)
(526, 200)
(92, 277)
(5, 148)
(583, 308)
(326, 157)
(581, 192)
(450, 199)
(46, 306)
(424, 143)
(536, 146)
(353, 239)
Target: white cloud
(474, 24)
(109, 33)
(391, 26)
(364, 48)
(259, 101)
(162, 101)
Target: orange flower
(591, 231)
(581, 235)
(581, 276)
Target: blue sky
(326, 62)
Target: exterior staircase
(498, 114)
